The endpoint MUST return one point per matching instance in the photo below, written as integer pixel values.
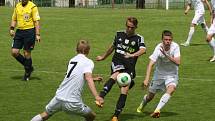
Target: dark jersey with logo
(126, 44)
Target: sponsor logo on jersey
(126, 41)
(133, 43)
(120, 39)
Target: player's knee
(150, 96)
(14, 53)
(45, 116)
(90, 117)
(27, 54)
(124, 90)
(192, 25)
(208, 38)
(171, 89)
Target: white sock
(164, 99)
(37, 118)
(212, 44)
(191, 32)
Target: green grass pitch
(60, 30)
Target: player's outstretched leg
(164, 99)
(142, 104)
(191, 32)
(119, 106)
(107, 87)
(212, 45)
(146, 99)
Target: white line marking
(57, 72)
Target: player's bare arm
(148, 73)
(187, 8)
(90, 82)
(209, 6)
(212, 17)
(106, 54)
(37, 28)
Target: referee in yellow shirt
(26, 20)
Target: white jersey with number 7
(71, 87)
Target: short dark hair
(83, 47)
(132, 20)
(166, 33)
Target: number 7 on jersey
(71, 68)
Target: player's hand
(162, 50)
(12, 33)
(38, 38)
(145, 83)
(99, 101)
(128, 55)
(99, 58)
(98, 79)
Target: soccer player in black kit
(127, 47)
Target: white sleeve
(89, 67)
(177, 51)
(155, 54)
(142, 44)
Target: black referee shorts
(24, 39)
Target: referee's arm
(13, 24)
(37, 28)
(36, 19)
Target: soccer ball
(123, 79)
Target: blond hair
(83, 47)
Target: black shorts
(24, 39)
(123, 66)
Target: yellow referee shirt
(25, 16)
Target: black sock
(28, 64)
(107, 87)
(120, 104)
(20, 59)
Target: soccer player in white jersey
(166, 58)
(68, 95)
(198, 17)
(211, 31)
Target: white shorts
(211, 30)
(162, 84)
(198, 19)
(78, 108)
